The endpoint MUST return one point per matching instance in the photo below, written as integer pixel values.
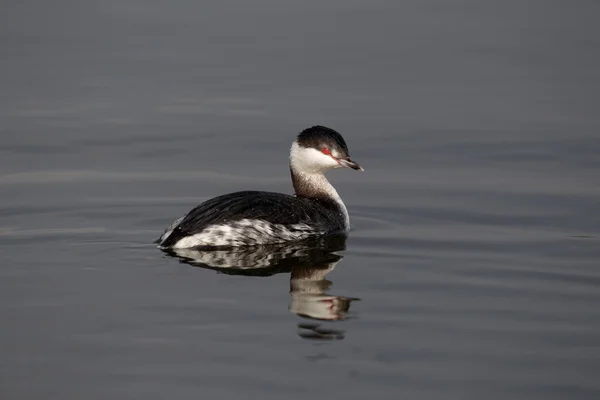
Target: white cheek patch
(309, 160)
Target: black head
(319, 137)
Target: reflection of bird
(309, 300)
(268, 259)
(308, 261)
(258, 218)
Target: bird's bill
(350, 164)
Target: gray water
(472, 270)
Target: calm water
(472, 271)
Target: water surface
(472, 268)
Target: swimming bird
(249, 218)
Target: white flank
(245, 232)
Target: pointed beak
(347, 162)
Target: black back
(277, 208)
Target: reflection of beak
(320, 306)
(347, 162)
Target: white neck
(308, 167)
(316, 185)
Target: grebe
(251, 218)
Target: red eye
(325, 150)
